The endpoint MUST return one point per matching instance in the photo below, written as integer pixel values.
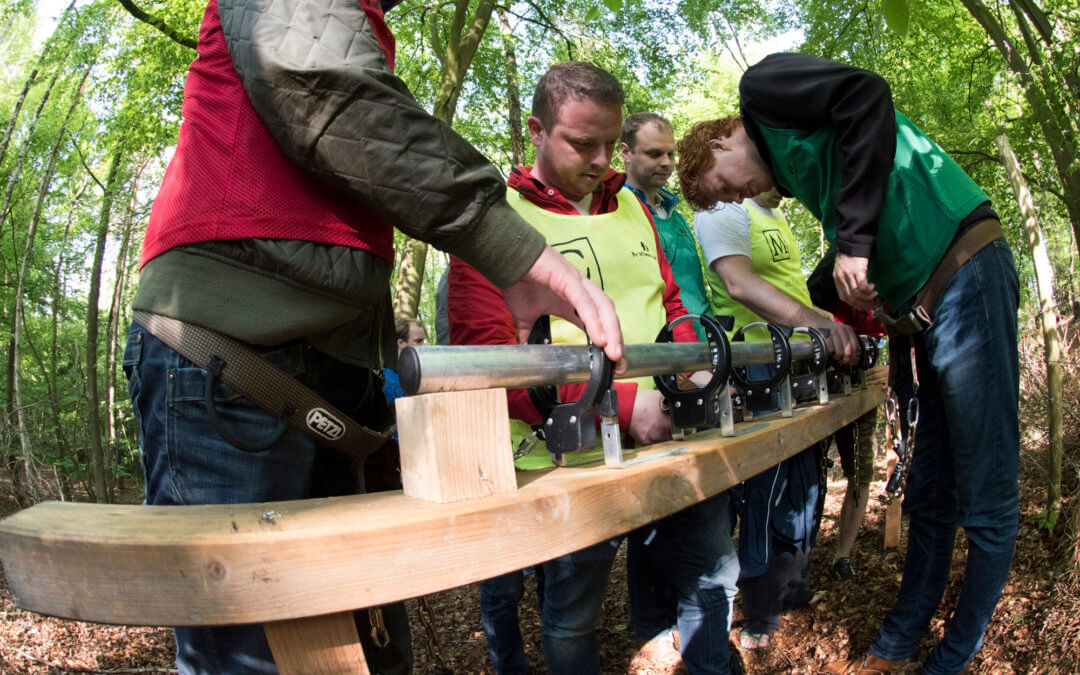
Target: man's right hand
(843, 343)
(554, 286)
(648, 423)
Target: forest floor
(840, 622)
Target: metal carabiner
(912, 414)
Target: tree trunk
(1049, 104)
(113, 331)
(25, 445)
(93, 426)
(513, 96)
(54, 357)
(455, 56)
(31, 233)
(1044, 279)
(29, 82)
(13, 179)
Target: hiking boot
(842, 570)
(866, 665)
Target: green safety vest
(775, 258)
(927, 197)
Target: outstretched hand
(843, 344)
(849, 274)
(554, 286)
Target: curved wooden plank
(252, 563)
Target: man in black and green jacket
(893, 202)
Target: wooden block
(455, 446)
(318, 645)
(253, 563)
(892, 514)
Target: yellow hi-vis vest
(617, 252)
(775, 258)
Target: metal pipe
(426, 370)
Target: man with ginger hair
(917, 237)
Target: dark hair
(696, 157)
(576, 80)
(634, 122)
(402, 326)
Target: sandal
(753, 640)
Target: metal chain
(903, 445)
(423, 610)
(894, 441)
(855, 463)
(379, 635)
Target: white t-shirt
(724, 229)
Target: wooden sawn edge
(252, 563)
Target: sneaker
(842, 570)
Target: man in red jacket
(299, 153)
(573, 197)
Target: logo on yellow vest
(580, 253)
(645, 252)
(777, 246)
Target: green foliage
(681, 59)
(896, 15)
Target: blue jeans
(692, 549)
(499, 599)
(185, 461)
(964, 469)
(571, 591)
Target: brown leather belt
(920, 317)
(272, 389)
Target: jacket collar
(550, 199)
(668, 199)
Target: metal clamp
(571, 427)
(697, 407)
(775, 391)
(815, 383)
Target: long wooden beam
(254, 563)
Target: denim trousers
(689, 560)
(698, 568)
(185, 461)
(499, 599)
(965, 462)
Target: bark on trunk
(1050, 96)
(25, 445)
(463, 38)
(513, 96)
(1044, 279)
(113, 330)
(93, 426)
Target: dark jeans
(499, 599)
(964, 470)
(186, 461)
(785, 583)
(691, 551)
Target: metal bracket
(698, 407)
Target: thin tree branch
(86, 166)
(547, 23)
(981, 157)
(157, 23)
